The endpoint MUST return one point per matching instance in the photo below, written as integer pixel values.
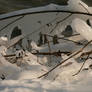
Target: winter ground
(21, 75)
(65, 83)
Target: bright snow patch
(81, 27)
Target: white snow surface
(3, 40)
(23, 78)
(81, 27)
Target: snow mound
(3, 40)
(78, 5)
(81, 27)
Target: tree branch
(74, 54)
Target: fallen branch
(52, 53)
(63, 38)
(44, 53)
(74, 54)
(86, 53)
(12, 22)
(12, 55)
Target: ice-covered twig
(74, 54)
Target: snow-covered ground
(24, 78)
(19, 72)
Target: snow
(74, 5)
(78, 5)
(19, 73)
(23, 78)
(81, 27)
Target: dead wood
(12, 55)
(44, 53)
(86, 53)
(52, 53)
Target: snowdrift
(20, 68)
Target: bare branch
(60, 22)
(63, 38)
(81, 66)
(74, 54)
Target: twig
(75, 34)
(74, 54)
(44, 53)
(60, 22)
(52, 53)
(84, 8)
(49, 48)
(63, 38)
(12, 55)
(12, 22)
(86, 53)
(39, 29)
(81, 66)
(45, 11)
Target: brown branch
(45, 11)
(86, 53)
(81, 66)
(84, 8)
(12, 22)
(63, 38)
(45, 53)
(66, 60)
(60, 22)
(12, 55)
